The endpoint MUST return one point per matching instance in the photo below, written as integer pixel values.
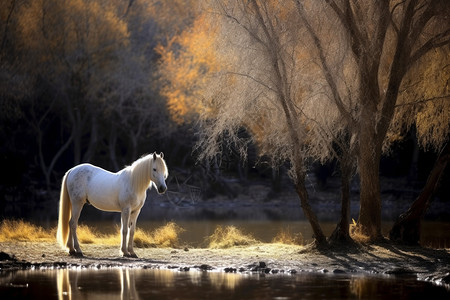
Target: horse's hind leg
(73, 224)
(133, 218)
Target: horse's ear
(162, 155)
(154, 155)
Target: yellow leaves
(425, 100)
(63, 29)
(433, 122)
(186, 64)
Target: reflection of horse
(77, 284)
(124, 192)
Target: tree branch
(325, 67)
(423, 101)
(437, 41)
(255, 80)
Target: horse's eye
(154, 170)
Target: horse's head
(159, 173)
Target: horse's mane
(140, 172)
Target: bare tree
(385, 38)
(317, 80)
(70, 47)
(407, 227)
(258, 89)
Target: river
(121, 283)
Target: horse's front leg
(133, 219)
(125, 219)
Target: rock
(230, 270)
(204, 267)
(446, 279)
(399, 271)
(5, 256)
(252, 266)
(338, 271)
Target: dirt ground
(383, 258)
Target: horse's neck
(140, 174)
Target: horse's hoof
(76, 254)
(131, 255)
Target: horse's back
(100, 187)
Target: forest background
(233, 93)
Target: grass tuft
(287, 237)
(228, 237)
(167, 236)
(164, 236)
(86, 235)
(19, 230)
(357, 235)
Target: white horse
(124, 191)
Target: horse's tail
(65, 212)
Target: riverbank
(383, 258)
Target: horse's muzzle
(162, 189)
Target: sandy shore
(384, 258)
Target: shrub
(357, 235)
(229, 236)
(19, 230)
(285, 236)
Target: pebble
(230, 270)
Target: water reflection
(128, 285)
(165, 284)
(75, 284)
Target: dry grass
(87, 235)
(357, 235)
(19, 230)
(165, 236)
(229, 236)
(287, 237)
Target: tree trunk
(93, 140)
(112, 144)
(369, 157)
(307, 210)
(341, 233)
(406, 229)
